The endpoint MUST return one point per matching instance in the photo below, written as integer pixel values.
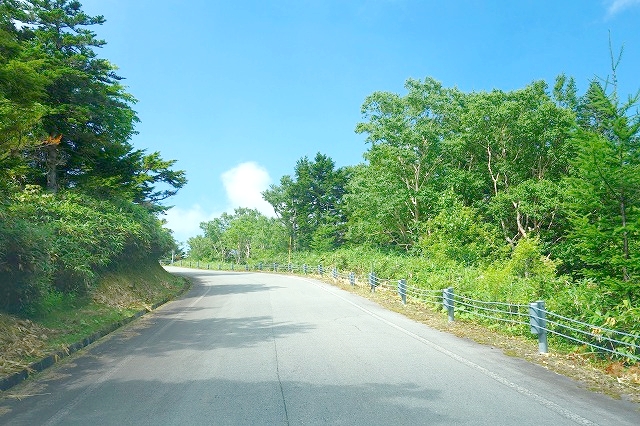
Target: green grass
(61, 320)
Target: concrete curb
(14, 379)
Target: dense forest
(76, 198)
(514, 196)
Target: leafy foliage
(396, 191)
(604, 191)
(65, 126)
(65, 242)
(65, 118)
(541, 166)
(25, 265)
(457, 233)
(22, 89)
(310, 205)
(244, 235)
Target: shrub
(25, 263)
(66, 241)
(456, 233)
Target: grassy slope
(64, 321)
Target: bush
(65, 242)
(25, 263)
(524, 277)
(457, 234)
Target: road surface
(266, 349)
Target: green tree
(510, 139)
(397, 189)
(210, 246)
(145, 179)
(250, 233)
(240, 236)
(88, 119)
(202, 248)
(502, 153)
(459, 233)
(604, 187)
(310, 206)
(381, 209)
(65, 118)
(65, 124)
(22, 85)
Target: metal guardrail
(534, 316)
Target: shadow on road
(222, 401)
(238, 288)
(207, 334)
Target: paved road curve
(260, 349)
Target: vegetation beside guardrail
(523, 318)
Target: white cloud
(617, 6)
(186, 223)
(244, 185)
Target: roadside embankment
(64, 324)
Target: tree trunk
(625, 240)
(52, 161)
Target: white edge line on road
(524, 391)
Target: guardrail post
(289, 268)
(334, 273)
(304, 269)
(447, 301)
(372, 281)
(246, 267)
(275, 267)
(402, 291)
(320, 270)
(232, 266)
(538, 321)
(352, 278)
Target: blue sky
(238, 90)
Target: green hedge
(64, 242)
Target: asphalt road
(262, 349)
